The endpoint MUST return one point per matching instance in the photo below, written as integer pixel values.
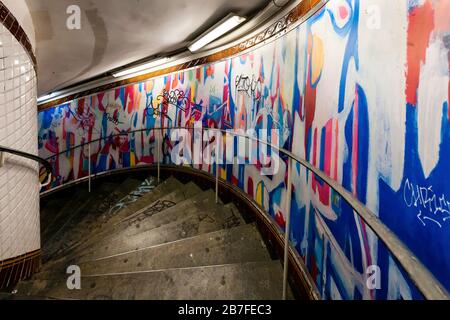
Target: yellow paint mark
(317, 58)
(223, 173)
(259, 194)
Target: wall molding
(12, 24)
(278, 27)
(14, 269)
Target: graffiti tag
(427, 202)
(133, 196)
(174, 97)
(112, 119)
(249, 85)
(156, 207)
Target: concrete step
(124, 189)
(125, 194)
(50, 208)
(235, 245)
(173, 242)
(92, 221)
(151, 216)
(133, 196)
(97, 235)
(146, 187)
(136, 200)
(134, 203)
(251, 280)
(165, 202)
(56, 215)
(239, 244)
(73, 216)
(177, 198)
(231, 207)
(97, 214)
(186, 219)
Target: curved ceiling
(114, 33)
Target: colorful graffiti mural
(360, 90)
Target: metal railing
(420, 276)
(48, 167)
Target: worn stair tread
(240, 244)
(171, 198)
(93, 239)
(137, 200)
(250, 280)
(73, 217)
(135, 240)
(146, 187)
(176, 197)
(51, 223)
(83, 198)
(49, 209)
(97, 214)
(132, 196)
(132, 234)
(169, 225)
(161, 189)
(165, 202)
(127, 237)
(233, 216)
(159, 214)
(131, 200)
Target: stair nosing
(180, 268)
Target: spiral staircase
(136, 239)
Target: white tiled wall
(19, 185)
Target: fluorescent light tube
(141, 69)
(228, 23)
(46, 97)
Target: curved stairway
(134, 240)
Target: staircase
(135, 240)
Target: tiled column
(19, 182)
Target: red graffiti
(421, 24)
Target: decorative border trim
(282, 24)
(10, 22)
(13, 270)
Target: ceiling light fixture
(141, 69)
(222, 27)
(46, 97)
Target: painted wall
(360, 90)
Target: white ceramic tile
(19, 186)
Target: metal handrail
(48, 167)
(112, 136)
(420, 276)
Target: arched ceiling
(114, 33)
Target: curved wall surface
(19, 184)
(360, 90)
